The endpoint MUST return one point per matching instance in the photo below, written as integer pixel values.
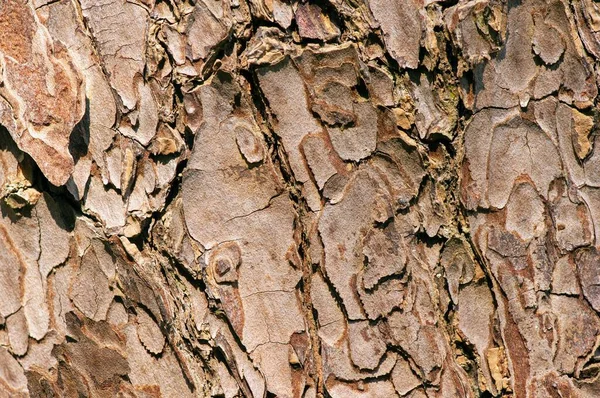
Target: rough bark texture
(265, 198)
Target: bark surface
(282, 198)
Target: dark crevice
(294, 188)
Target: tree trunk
(279, 198)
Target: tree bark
(287, 198)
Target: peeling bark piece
(366, 345)
(459, 265)
(436, 110)
(10, 275)
(35, 303)
(175, 43)
(251, 196)
(149, 333)
(564, 277)
(320, 158)
(581, 139)
(170, 235)
(586, 15)
(402, 169)
(513, 143)
(332, 63)
(341, 234)
(476, 27)
(282, 13)
(508, 245)
(149, 374)
(422, 342)
(547, 43)
(475, 312)
(262, 309)
(36, 72)
(384, 298)
(90, 291)
(99, 365)
(573, 223)
(166, 142)
(313, 23)
(12, 376)
(431, 208)
(267, 339)
(515, 146)
(284, 88)
(334, 187)
(564, 127)
(333, 104)
(402, 25)
(117, 314)
(76, 185)
(24, 240)
(105, 257)
(590, 169)
(105, 203)
(474, 177)
(232, 304)
(358, 142)
(266, 47)
(385, 254)
(208, 25)
(18, 334)
(114, 164)
(119, 29)
(55, 225)
(129, 169)
(18, 197)
(403, 378)
(512, 73)
(337, 363)
(331, 319)
(147, 120)
(578, 327)
(587, 261)
(525, 213)
(381, 86)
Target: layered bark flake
(289, 198)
